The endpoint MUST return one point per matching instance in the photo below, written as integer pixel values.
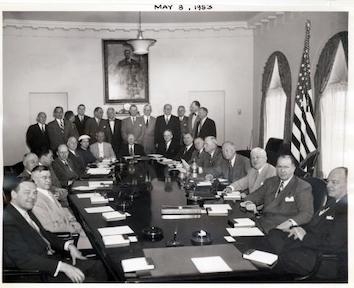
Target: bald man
(37, 135)
(30, 160)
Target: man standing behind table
(287, 200)
(131, 148)
(187, 149)
(59, 130)
(149, 131)
(37, 134)
(205, 126)
(193, 117)
(102, 150)
(256, 176)
(183, 120)
(84, 151)
(95, 124)
(133, 125)
(80, 119)
(167, 122)
(170, 147)
(113, 130)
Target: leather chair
(307, 166)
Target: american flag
(303, 140)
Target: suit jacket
(86, 156)
(23, 246)
(80, 125)
(210, 164)
(149, 135)
(208, 129)
(192, 129)
(79, 165)
(239, 170)
(137, 129)
(107, 150)
(138, 150)
(171, 151)
(253, 180)
(295, 202)
(184, 126)
(114, 137)
(172, 125)
(53, 216)
(201, 158)
(37, 140)
(183, 154)
(63, 172)
(25, 175)
(91, 127)
(57, 136)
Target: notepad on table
(98, 184)
(245, 231)
(211, 264)
(87, 195)
(98, 171)
(243, 222)
(99, 209)
(111, 241)
(217, 209)
(236, 195)
(204, 183)
(99, 200)
(136, 264)
(113, 216)
(83, 188)
(117, 230)
(261, 256)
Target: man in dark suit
(287, 200)
(37, 134)
(80, 119)
(59, 130)
(95, 124)
(167, 122)
(327, 232)
(215, 158)
(30, 160)
(183, 120)
(234, 167)
(113, 130)
(131, 148)
(199, 155)
(170, 147)
(79, 165)
(149, 131)
(133, 125)
(64, 168)
(187, 150)
(205, 126)
(193, 117)
(28, 246)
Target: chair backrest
(319, 192)
(307, 166)
(274, 148)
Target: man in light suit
(287, 200)
(183, 120)
(80, 119)
(256, 176)
(59, 130)
(102, 150)
(133, 125)
(30, 160)
(149, 131)
(50, 213)
(131, 148)
(37, 134)
(95, 124)
(199, 155)
(113, 130)
(193, 117)
(170, 147)
(326, 233)
(205, 126)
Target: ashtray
(200, 238)
(152, 233)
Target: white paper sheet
(115, 241)
(243, 222)
(211, 264)
(99, 209)
(233, 196)
(204, 183)
(83, 188)
(98, 171)
(136, 264)
(117, 230)
(97, 184)
(262, 257)
(113, 215)
(87, 195)
(98, 200)
(245, 231)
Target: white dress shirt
(168, 144)
(100, 150)
(111, 123)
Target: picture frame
(126, 76)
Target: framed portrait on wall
(125, 74)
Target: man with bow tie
(327, 232)
(37, 135)
(193, 117)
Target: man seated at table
(234, 166)
(327, 232)
(27, 245)
(287, 200)
(30, 160)
(102, 150)
(131, 148)
(84, 151)
(215, 155)
(50, 213)
(199, 155)
(170, 147)
(64, 167)
(256, 176)
(74, 156)
(187, 150)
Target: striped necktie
(281, 187)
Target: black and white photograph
(177, 143)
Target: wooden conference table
(141, 189)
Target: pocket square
(329, 217)
(289, 199)
(140, 125)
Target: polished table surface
(141, 189)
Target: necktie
(61, 125)
(133, 119)
(81, 118)
(166, 119)
(185, 150)
(42, 128)
(131, 150)
(230, 178)
(67, 165)
(281, 187)
(147, 122)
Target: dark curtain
(323, 72)
(285, 79)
